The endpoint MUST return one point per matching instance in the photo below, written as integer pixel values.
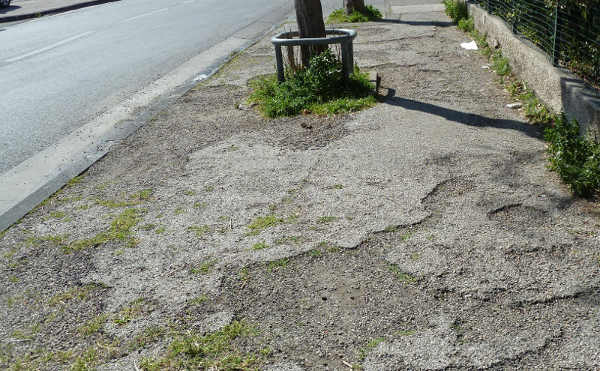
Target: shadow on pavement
(470, 119)
(417, 23)
(9, 9)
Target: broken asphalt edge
(28, 184)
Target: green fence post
(556, 42)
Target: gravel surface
(424, 233)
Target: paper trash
(469, 46)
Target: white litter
(469, 46)
(514, 105)
(201, 77)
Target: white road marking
(46, 48)
(189, 1)
(146, 14)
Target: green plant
(500, 64)
(456, 9)
(575, 158)
(261, 223)
(320, 89)
(260, 246)
(370, 14)
(466, 24)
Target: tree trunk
(352, 5)
(309, 15)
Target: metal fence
(568, 31)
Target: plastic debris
(469, 46)
(514, 105)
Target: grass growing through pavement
(319, 89)
(456, 9)
(370, 14)
(214, 351)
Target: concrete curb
(20, 17)
(40, 176)
(560, 89)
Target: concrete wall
(558, 88)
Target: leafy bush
(500, 64)
(320, 88)
(339, 15)
(576, 159)
(456, 10)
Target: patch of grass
(114, 204)
(536, 111)
(244, 275)
(199, 300)
(205, 267)
(405, 333)
(57, 214)
(372, 344)
(149, 336)
(148, 227)
(260, 246)
(369, 14)
(319, 88)
(402, 276)
(120, 230)
(199, 231)
(133, 310)
(456, 9)
(261, 223)
(179, 211)
(94, 325)
(276, 264)
(143, 195)
(315, 253)
(86, 361)
(326, 219)
(76, 293)
(189, 192)
(575, 158)
(215, 351)
(160, 230)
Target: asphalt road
(58, 73)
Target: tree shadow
(9, 9)
(465, 118)
(416, 23)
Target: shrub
(320, 88)
(576, 159)
(456, 9)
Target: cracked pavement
(424, 233)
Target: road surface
(58, 73)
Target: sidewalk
(24, 9)
(424, 233)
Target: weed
(120, 230)
(205, 267)
(143, 195)
(500, 64)
(200, 231)
(179, 211)
(189, 192)
(262, 223)
(150, 335)
(148, 227)
(94, 325)
(260, 246)
(113, 204)
(244, 275)
(160, 230)
(80, 293)
(209, 188)
(405, 333)
(315, 253)
(401, 276)
(575, 158)
(456, 9)
(57, 214)
(135, 309)
(217, 350)
(369, 14)
(86, 361)
(372, 344)
(199, 300)
(314, 89)
(276, 264)
(326, 219)
(466, 24)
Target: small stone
(514, 105)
